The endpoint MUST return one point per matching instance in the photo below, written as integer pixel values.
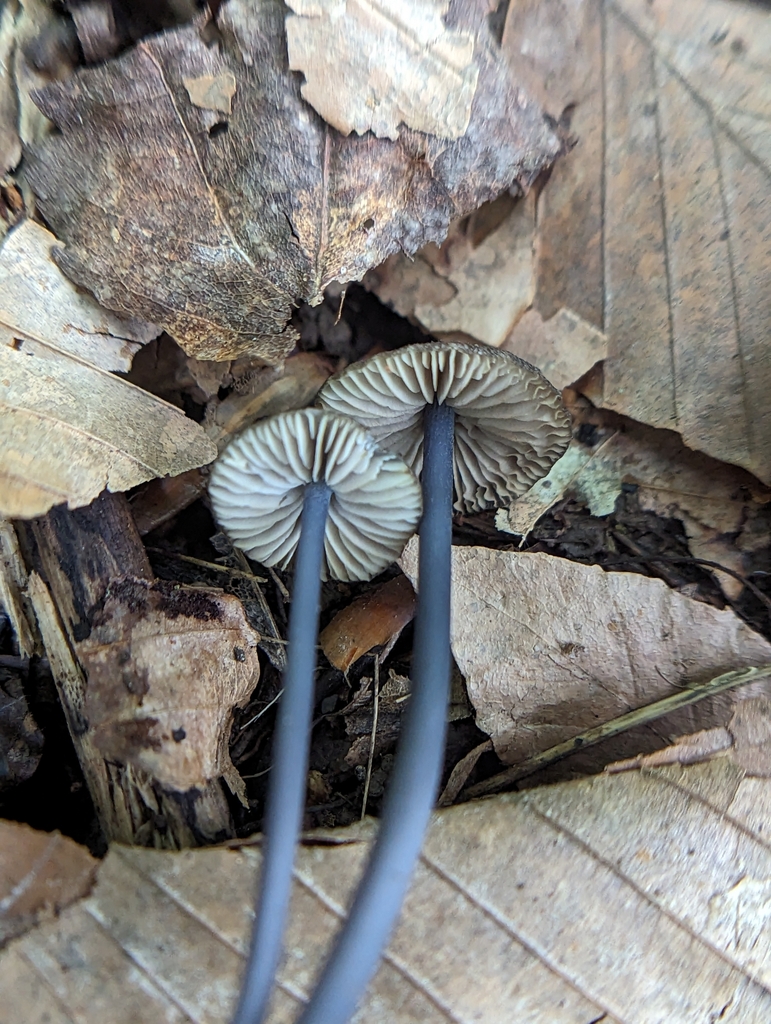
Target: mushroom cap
(258, 483)
(510, 423)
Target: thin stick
(415, 779)
(288, 778)
(213, 566)
(641, 716)
(373, 735)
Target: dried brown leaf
(166, 667)
(37, 299)
(639, 897)
(655, 229)
(563, 348)
(478, 283)
(214, 225)
(374, 65)
(68, 428)
(369, 621)
(550, 647)
(10, 143)
(41, 873)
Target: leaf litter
(186, 233)
(678, 850)
(529, 274)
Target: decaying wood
(81, 553)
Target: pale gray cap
(510, 423)
(257, 487)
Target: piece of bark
(81, 553)
(220, 223)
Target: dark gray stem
(289, 769)
(413, 785)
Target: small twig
(340, 307)
(373, 734)
(641, 716)
(284, 592)
(209, 565)
(14, 661)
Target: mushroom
(314, 486)
(486, 425)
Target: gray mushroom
(313, 487)
(258, 486)
(510, 424)
(484, 425)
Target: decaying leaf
(212, 92)
(563, 348)
(374, 66)
(213, 225)
(41, 873)
(635, 898)
(37, 299)
(369, 621)
(719, 505)
(166, 666)
(655, 229)
(550, 647)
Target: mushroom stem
(289, 771)
(415, 779)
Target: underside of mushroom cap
(258, 484)
(510, 423)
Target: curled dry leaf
(374, 66)
(213, 225)
(166, 666)
(640, 897)
(655, 229)
(41, 873)
(370, 621)
(550, 647)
